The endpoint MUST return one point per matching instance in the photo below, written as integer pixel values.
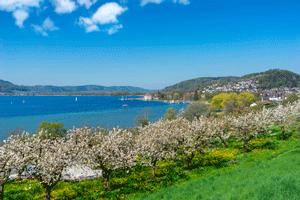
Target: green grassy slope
(265, 178)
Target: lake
(29, 111)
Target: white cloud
(88, 24)
(114, 29)
(86, 3)
(144, 2)
(48, 25)
(184, 2)
(20, 9)
(11, 5)
(106, 14)
(123, 1)
(20, 16)
(64, 6)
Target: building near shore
(147, 97)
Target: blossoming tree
(250, 125)
(111, 151)
(155, 143)
(220, 128)
(7, 160)
(50, 156)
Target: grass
(261, 174)
(269, 171)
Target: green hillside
(275, 78)
(8, 87)
(267, 80)
(258, 177)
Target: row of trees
(118, 149)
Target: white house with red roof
(147, 97)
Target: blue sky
(144, 43)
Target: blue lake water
(87, 110)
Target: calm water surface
(87, 110)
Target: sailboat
(76, 99)
(23, 101)
(122, 99)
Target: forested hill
(8, 87)
(275, 78)
(267, 80)
(84, 88)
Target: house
(264, 97)
(276, 97)
(147, 97)
(254, 104)
(155, 97)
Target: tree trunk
(47, 192)
(245, 146)
(1, 191)
(283, 134)
(106, 176)
(189, 161)
(224, 145)
(153, 171)
(20, 175)
(201, 152)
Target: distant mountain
(8, 87)
(274, 78)
(84, 88)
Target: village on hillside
(266, 96)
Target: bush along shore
(166, 153)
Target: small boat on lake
(76, 99)
(23, 101)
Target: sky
(144, 43)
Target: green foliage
(144, 122)
(52, 129)
(195, 109)
(262, 143)
(176, 96)
(171, 114)
(230, 102)
(208, 96)
(245, 99)
(291, 98)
